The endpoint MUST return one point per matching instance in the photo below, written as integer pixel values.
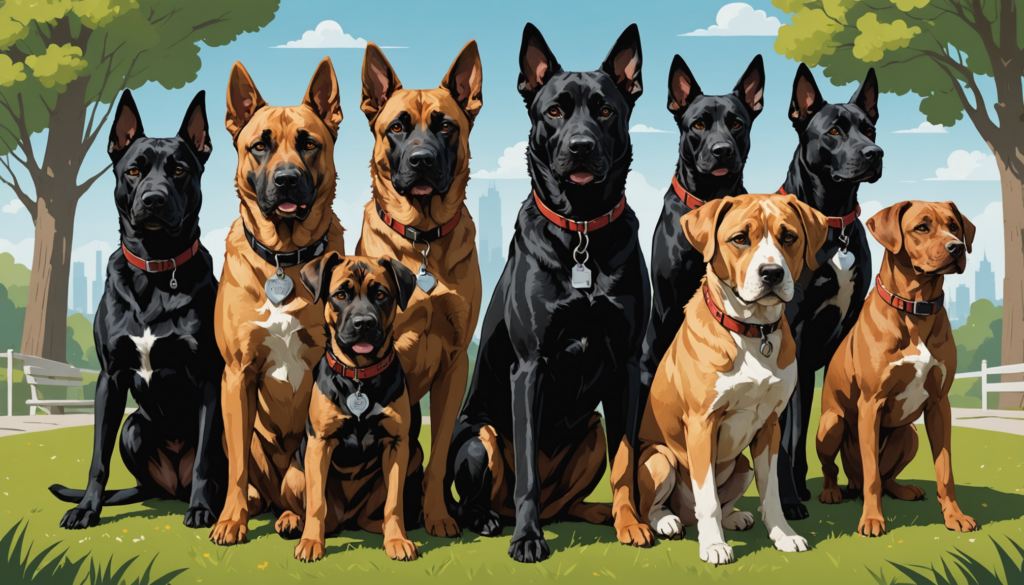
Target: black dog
(552, 352)
(713, 146)
(154, 330)
(837, 153)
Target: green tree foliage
(979, 339)
(15, 277)
(12, 319)
(80, 333)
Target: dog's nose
(421, 159)
(286, 178)
(723, 151)
(364, 323)
(872, 153)
(153, 199)
(955, 249)
(771, 274)
(581, 145)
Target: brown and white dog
(727, 375)
(285, 180)
(420, 168)
(897, 362)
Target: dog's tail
(110, 497)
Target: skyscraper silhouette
(963, 304)
(97, 285)
(492, 260)
(80, 289)
(985, 281)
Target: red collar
(581, 226)
(919, 308)
(161, 265)
(745, 329)
(688, 199)
(835, 222)
(360, 373)
(413, 234)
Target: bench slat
(59, 370)
(32, 380)
(60, 402)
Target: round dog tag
(425, 280)
(766, 348)
(357, 403)
(278, 287)
(843, 260)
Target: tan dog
(726, 377)
(897, 362)
(285, 180)
(420, 168)
(359, 455)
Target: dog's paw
(961, 522)
(79, 518)
(529, 550)
(871, 526)
(228, 532)
(906, 492)
(795, 511)
(289, 525)
(639, 535)
(795, 543)
(831, 495)
(669, 526)
(441, 525)
(309, 551)
(717, 553)
(401, 549)
(200, 517)
(804, 493)
(738, 520)
(483, 522)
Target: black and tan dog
(563, 330)
(420, 168)
(272, 334)
(154, 329)
(361, 446)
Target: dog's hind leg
(584, 471)
(658, 478)
(731, 491)
(142, 454)
(899, 450)
(479, 473)
(293, 496)
(209, 469)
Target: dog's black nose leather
(421, 159)
(872, 153)
(955, 249)
(771, 274)
(364, 322)
(723, 151)
(286, 177)
(153, 199)
(581, 145)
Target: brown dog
(727, 375)
(420, 168)
(285, 181)
(897, 361)
(359, 452)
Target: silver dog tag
(278, 287)
(357, 403)
(580, 276)
(767, 348)
(425, 280)
(843, 260)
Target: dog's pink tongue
(362, 347)
(288, 207)
(581, 178)
(422, 190)
(720, 172)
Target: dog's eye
(396, 128)
(310, 145)
(869, 133)
(923, 228)
(446, 126)
(606, 111)
(737, 125)
(340, 295)
(554, 112)
(740, 240)
(789, 239)
(380, 296)
(833, 131)
(133, 172)
(179, 171)
(953, 228)
(259, 147)
(698, 125)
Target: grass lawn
(988, 468)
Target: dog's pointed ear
(750, 88)
(624, 63)
(682, 87)
(127, 127)
(536, 62)
(405, 280)
(887, 226)
(866, 96)
(316, 274)
(701, 225)
(965, 225)
(465, 80)
(195, 128)
(323, 97)
(807, 100)
(380, 81)
(243, 100)
(815, 226)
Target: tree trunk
(1013, 282)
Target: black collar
(286, 259)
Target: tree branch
(88, 183)
(979, 115)
(90, 138)
(29, 204)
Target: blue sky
(580, 34)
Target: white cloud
(925, 128)
(328, 35)
(13, 207)
(511, 165)
(739, 20)
(645, 128)
(22, 251)
(646, 201)
(968, 166)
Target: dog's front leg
(238, 403)
(869, 422)
(528, 544)
(396, 464)
(938, 420)
(445, 398)
(111, 397)
(318, 465)
(701, 435)
(208, 465)
(765, 451)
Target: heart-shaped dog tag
(278, 287)
(425, 280)
(843, 260)
(357, 403)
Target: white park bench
(987, 386)
(43, 373)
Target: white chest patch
(145, 346)
(285, 359)
(914, 395)
(844, 278)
